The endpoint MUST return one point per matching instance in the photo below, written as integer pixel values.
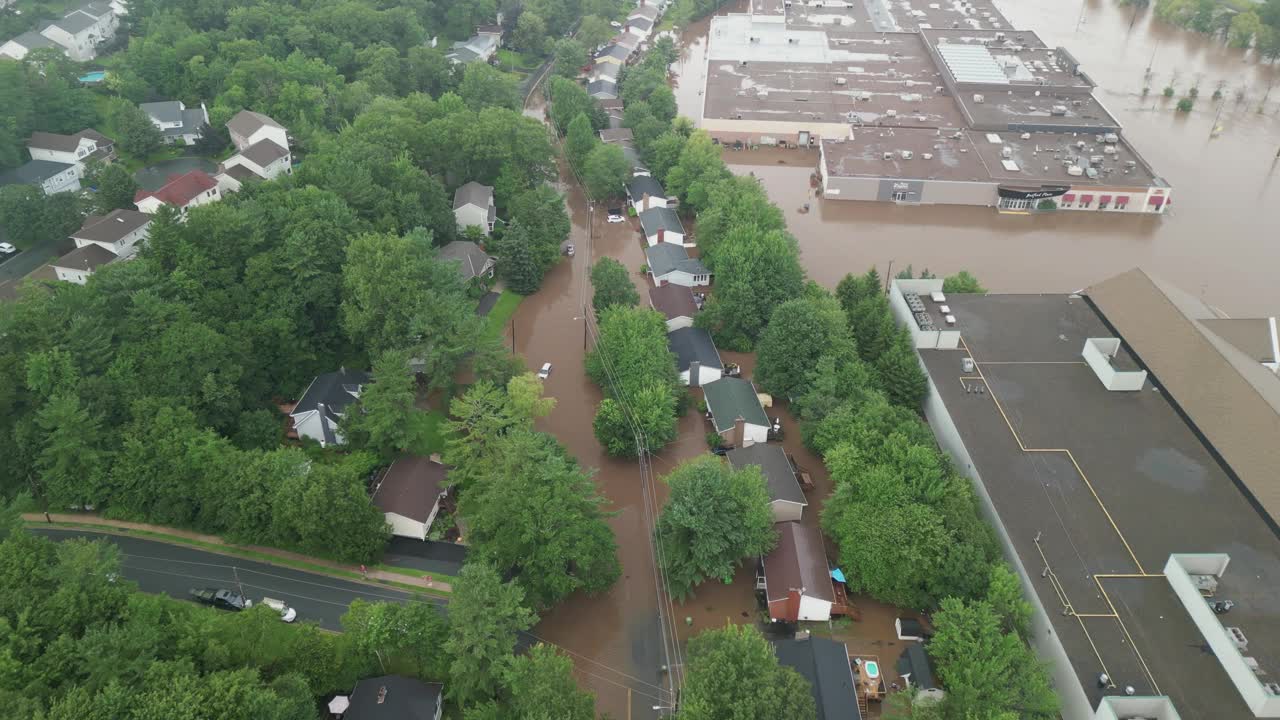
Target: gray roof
(730, 398)
(607, 70)
(779, 475)
(33, 173)
(90, 257)
(664, 258)
(642, 23)
(76, 22)
(693, 344)
(335, 390)
(914, 661)
(473, 193)
(616, 135)
(247, 122)
(645, 11)
(615, 51)
(96, 8)
(165, 111)
(33, 40)
(642, 185)
(394, 697)
(660, 218)
(113, 227)
(472, 261)
(603, 88)
(264, 152)
(825, 664)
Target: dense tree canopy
(485, 616)
(632, 363)
(612, 285)
(799, 334)
(755, 273)
(731, 673)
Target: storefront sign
(1040, 193)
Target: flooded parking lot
(1216, 241)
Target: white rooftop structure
(972, 64)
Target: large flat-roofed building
(922, 103)
(1124, 442)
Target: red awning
(1086, 198)
(1069, 197)
(1104, 199)
(1156, 200)
(1122, 200)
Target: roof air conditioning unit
(1058, 110)
(891, 112)
(927, 156)
(888, 155)
(951, 319)
(907, 154)
(966, 364)
(841, 81)
(979, 99)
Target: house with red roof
(182, 191)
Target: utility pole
(44, 501)
(238, 585)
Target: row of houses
(607, 64)
(78, 33)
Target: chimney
(382, 694)
(739, 432)
(695, 374)
(661, 232)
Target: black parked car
(224, 599)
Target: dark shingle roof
(165, 111)
(247, 122)
(33, 173)
(90, 257)
(615, 51)
(730, 398)
(660, 218)
(825, 664)
(642, 185)
(410, 487)
(264, 152)
(76, 22)
(673, 301)
(616, 135)
(33, 40)
(915, 661)
(470, 258)
(664, 258)
(798, 562)
(603, 88)
(473, 193)
(777, 470)
(335, 390)
(394, 697)
(113, 227)
(640, 23)
(693, 344)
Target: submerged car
(545, 372)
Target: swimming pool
(873, 669)
(96, 76)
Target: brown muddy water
(1221, 242)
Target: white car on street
(615, 218)
(7, 249)
(545, 372)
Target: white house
(80, 31)
(75, 149)
(249, 127)
(262, 145)
(320, 410)
(645, 193)
(480, 47)
(676, 303)
(120, 231)
(77, 265)
(51, 177)
(177, 122)
(264, 158)
(786, 498)
(184, 192)
(18, 47)
(797, 579)
(736, 412)
(473, 205)
(697, 359)
(669, 263)
(409, 493)
(662, 225)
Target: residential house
(81, 30)
(796, 578)
(614, 53)
(472, 261)
(645, 193)
(391, 697)
(184, 192)
(602, 89)
(51, 177)
(786, 499)
(18, 47)
(75, 149)
(409, 493)
(473, 205)
(697, 359)
(77, 265)
(319, 412)
(119, 231)
(646, 11)
(662, 225)
(263, 150)
(639, 26)
(480, 47)
(629, 42)
(670, 263)
(614, 110)
(633, 160)
(177, 122)
(736, 412)
(825, 664)
(676, 303)
(605, 71)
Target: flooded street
(1218, 241)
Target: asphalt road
(159, 567)
(25, 262)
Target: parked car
(7, 249)
(219, 598)
(614, 218)
(545, 372)
(615, 24)
(569, 249)
(287, 613)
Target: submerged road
(159, 567)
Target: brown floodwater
(1220, 241)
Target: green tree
(484, 86)
(485, 615)
(650, 408)
(1004, 592)
(800, 332)
(517, 261)
(605, 171)
(540, 684)
(116, 188)
(612, 284)
(733, 202)
(580, 139)
(901, 376)
(135, 133)
(530, 34)
(380, 421)
(541, 211)
(633, 364)
(663, 154)
(715, 518)
(569, 99)
(70, 465)
(570, 57)
(412, 632)
(699, 168)
(962, 282)
(1245, 27)
(733, 674)
(755, 273)
(594, 30)
(30, 217)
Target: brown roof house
(786, 499)
(409, 493)
(77, 265)
(796, 579)
(676, 304)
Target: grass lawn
(426, 433)
(512, 60)
(501, 313)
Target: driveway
(27, 261)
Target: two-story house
(75, 149)
(184, 192)
(79, 264)
(119, 231)
(263, 146)
(51, 177)
(177, 122)
(18, 47)
(81, 30)
(473, 205)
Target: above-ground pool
(96, 76)
(872, 668)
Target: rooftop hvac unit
(1237, 637)
(951, 319)
(1080, 144)
(906, 154)
(1058, 110)
(1095, 159)
(1006, 152)
(891, 112)
(1091, 173)
(755, 40)
(841, 81)
(927, 156)
(888, 155)
(979, 99)
(864, 96)
(1111, 138)
(793, 41)
(1025, 136)
(1075, 171)
(966, 364)
(742, 63)
(945, 309)
(762, 93)
(938, 296)
(1109, 150)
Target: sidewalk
(416, 580)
